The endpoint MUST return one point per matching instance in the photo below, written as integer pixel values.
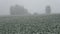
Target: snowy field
(46, 24)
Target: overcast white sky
(31, 5)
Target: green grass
(43, 24)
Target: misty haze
(29, 16)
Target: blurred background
(32, 6)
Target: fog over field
(31, 5)
(29, 16)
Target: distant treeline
(18, 10)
